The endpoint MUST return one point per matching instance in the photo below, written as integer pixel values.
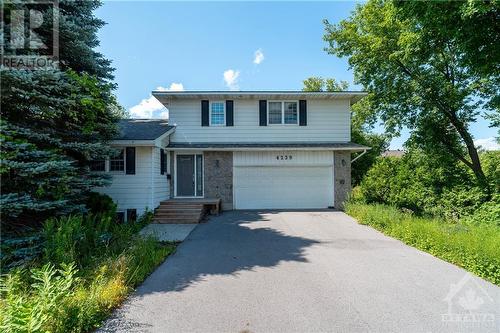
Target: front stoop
(184, 211)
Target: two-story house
(251, 149)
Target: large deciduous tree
(432, 67)
(54, 121)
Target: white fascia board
(163, 136)
(165, 96)
(271, 149)
(144, 143)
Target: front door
(185, 176)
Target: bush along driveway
(321, 271)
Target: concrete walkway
(249, 271)
(168, 232)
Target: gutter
(264, 149)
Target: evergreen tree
(55, 121)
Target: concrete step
(181, 211)
(177, 215)
(177, 203)
(174, 209)
(181, 206)
(175, 221)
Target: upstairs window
(283, 113)
(290, 115)
(117, 163)
(274, 113)
(217, 114)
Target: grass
(86, 272)
(472, 247)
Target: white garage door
(264, 181)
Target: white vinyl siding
(283, 180)
(161, 185)
(143, 190)
(327, 121)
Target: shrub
(487, 214)
(490, 161)
(100, 204)
(460, 201)
(423, 184)
(475, 248)
(404, 182)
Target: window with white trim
(282, 113)
(217, 114)
(290, 114)
(117, 163)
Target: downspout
(153, 151)
(354, 160)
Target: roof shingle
(142, 129)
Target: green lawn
(475, 248)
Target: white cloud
(488, 143)
(258, 57)
(175, 87)
(231, 79)
(151, 107)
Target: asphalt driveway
(249, 271)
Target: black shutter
(204, 113)
(302, 113)
(262, 113)
(162, 162)
(130, 160)
(131, 215)
(229, 113)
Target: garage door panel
(283, 187)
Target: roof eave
(356, 149)
(129, 142)
(353, 96)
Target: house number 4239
(283, 157)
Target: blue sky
(216, 46)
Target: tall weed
(96, 263)
(36, 308)
(476, 248)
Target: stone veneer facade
(219, 177)
(342, 175)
